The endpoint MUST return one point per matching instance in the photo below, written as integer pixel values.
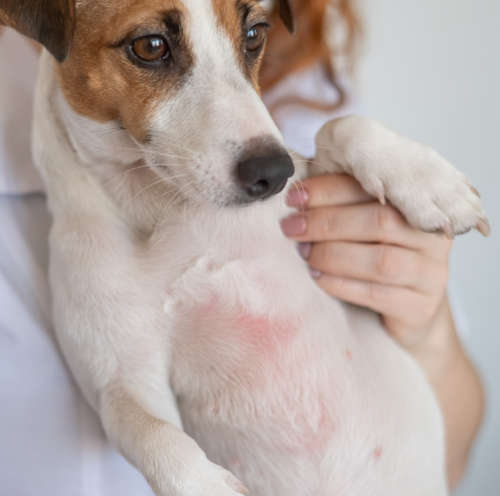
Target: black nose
(262, 177)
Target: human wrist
(441, 346)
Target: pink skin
(265, 338)
(264, 335)
(257, 333)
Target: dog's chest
(232, 322)
(249, 346)
(239, 356)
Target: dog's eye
(256, 36)
(150, 48)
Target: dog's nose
(262, 177)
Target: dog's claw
(236, 484)
(483, 226)
(475, 191)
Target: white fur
(196, 332)
(431, 193)
(216, 88)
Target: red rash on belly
(264, 333)
(260, 339)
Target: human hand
(365, 253)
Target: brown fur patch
(98, 78)
(230, 16)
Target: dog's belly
(310, 398)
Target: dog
(192, 326)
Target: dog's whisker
(179, 146)
(163, 154)
(301, 189)
(180, 193)
(140, 147)
(147, 188)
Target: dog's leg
(172, 463)
(423, 186)
(115, 339)
(140, 417)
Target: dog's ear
(50, 22)
(286, 14)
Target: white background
(431, 70)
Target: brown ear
(50, 22)
(286, 14)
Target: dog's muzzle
(263, 176)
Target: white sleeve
(299, 123)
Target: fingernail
(294, 225)
(305, 250)
(315, 274)
(297, 196)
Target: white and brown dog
(190, 323)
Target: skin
(366, 254)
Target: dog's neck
(103, 153)
(107, 152)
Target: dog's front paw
(226, 484)
(203, 479)
(422, 185)
(436, 197)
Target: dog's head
(179, 76)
